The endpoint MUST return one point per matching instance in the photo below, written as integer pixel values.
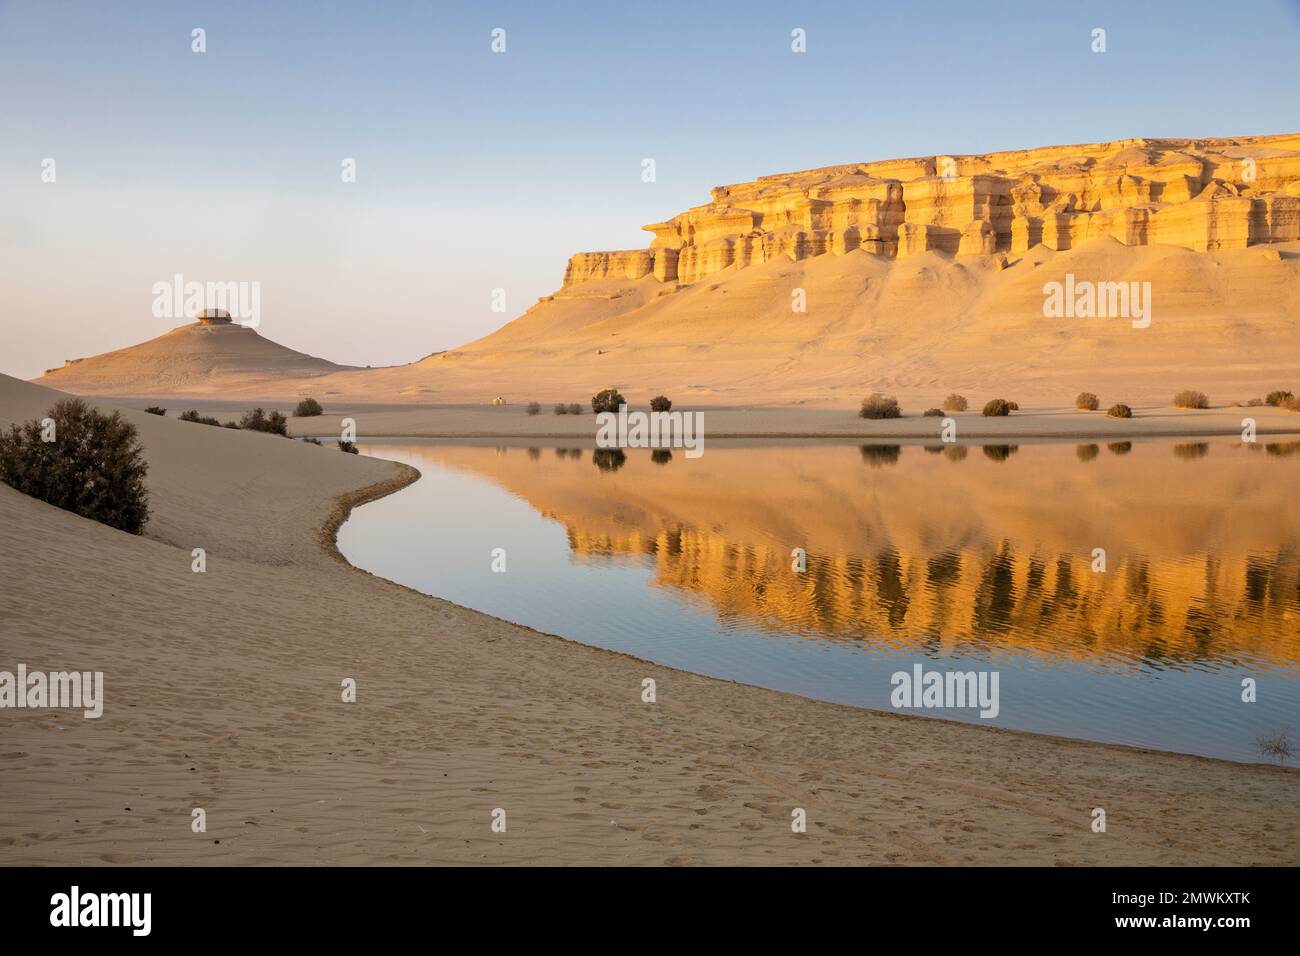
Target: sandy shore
(512, 421)
(223, 692)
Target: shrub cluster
(155, 410)
(534, 408)
(259, 421)
(876, 405)
(1190, 398)
(607, 400)
(82, 461)
(308, 408)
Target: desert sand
(223, 692)
(915, 277)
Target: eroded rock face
(1205, 195)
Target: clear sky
(478, 170)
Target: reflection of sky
(438, 536)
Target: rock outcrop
(1206, 195)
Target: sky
(478, 171)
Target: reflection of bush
(1192, 450)
(1000, 452)
(661, 456)
(1120, 447)
(877, 456)
(1087, 452)
(609, 459)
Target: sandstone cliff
(1205, 195)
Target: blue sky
(478, 170)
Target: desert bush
(1276, 745)
(259, 421)
(876, 405)
(1291, 404)
(661, 403)
(534, 408)
(996, 407)
(575, 409)
(1014, 406)
(932, 413)
(561, 408)
(92, 465)
(1278, 397)
(308, 408)
(193, 416)
(347, 446)
(1120, 410)
(955, 403)
(1087, 402)
(213, 421)
(155, 410)
(311, 441)
(607, 400)
(1190, 398)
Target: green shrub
(347, 446)
(1278, 398)
(534, 408)
(259, 421)
(155, 410)
(876, 405)
(1120, 410)
(661, 403)
(607, 400)
(996, 407)
(193, 416)
(1190, 398)
(955, 403)
(308, 408)
(93, 464)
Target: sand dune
(222, 692)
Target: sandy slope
(921, 327)
(223, 693)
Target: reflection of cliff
(1203, 554)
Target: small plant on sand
(661, 403)
(308, 408)
(82, 461)
(607, 400)
(1120, 410)
(1276, 745)
(1013, 406)
(1190, 398)
(347, 446)
(996, 407)
(1291, 404)
(1086, 402)
(561, 408)
(575, 409)
(1278, 398)
(156, 410)
(932, 413)
(876, 405)
(534, 408)
(311, 441)
(259, 421)
(955, 403)
(193, 416)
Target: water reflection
(927, 550)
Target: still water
(957, 558)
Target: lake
(1120, 592)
